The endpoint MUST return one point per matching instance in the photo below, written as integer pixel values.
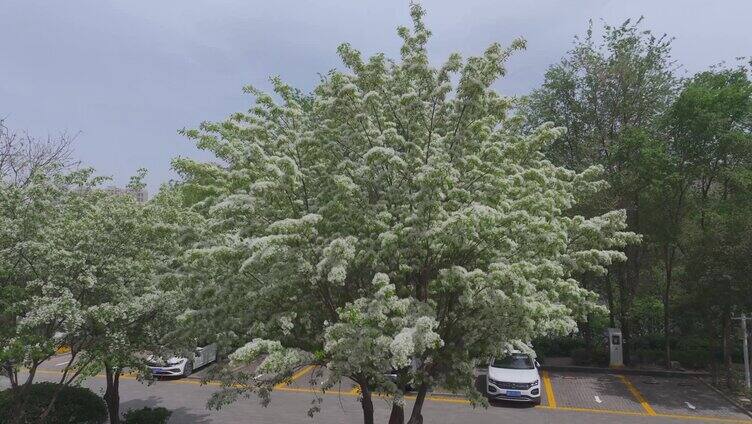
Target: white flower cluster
(336, 257)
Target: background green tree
(710, 125)
(610, 94)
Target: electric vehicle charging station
(615, 347)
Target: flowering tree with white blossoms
(396, 217)
(88, 270)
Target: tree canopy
(397, 216)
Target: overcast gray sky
(128, 74)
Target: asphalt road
(568, 398)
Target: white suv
(514, 377)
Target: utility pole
(744, 319)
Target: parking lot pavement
(678, 398)
(58, 361)
(684, 397)
(187, 398)
(596, 391)
(567, 398)
(672, 398)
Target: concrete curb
(444, 394)
(624, 371)
(727, 397)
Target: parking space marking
(598, 399)
(640, 414)
(446, 399)
(637, 395)
(690, 406)
(549, 390)
(300, 373)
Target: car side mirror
(537, 364)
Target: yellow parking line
(549, 390)
(637, 395)
(442, 399)
(640, 414)
(301, 372)
(600, 411)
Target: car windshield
(517, 361)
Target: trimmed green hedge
(147, 415)
(74, 405)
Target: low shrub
(589, 357)
(147, 415)
(687, 358)
(74, 405)
(599, 357)
(647, 356)
(581, 356)
(559, 346)
(692, 358)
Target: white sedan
(514, 377)
(178, 366)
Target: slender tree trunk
(398, 414)
(624, 313)
(12, 374)
(416, 417)
(112, 394)
(585, 327)
(712, 347)
(20, 396)
(367, 403)
(587, 332)
(669, 265)
(610, 299)
(626, 335)
(727, 347)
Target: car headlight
(534, 383)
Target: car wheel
(537, 402)
(188, 368)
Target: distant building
(140, 195)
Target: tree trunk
(610, 299)
(398, 414)
(367, 403)
(416, 417)
(20, 394)
(112, 394)
(585, 327)
(713, 350)
(624, 313)
(727, 347)
(586, 331)
(12, 374)
(626, 336)
(669, 264)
